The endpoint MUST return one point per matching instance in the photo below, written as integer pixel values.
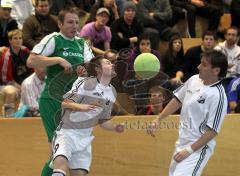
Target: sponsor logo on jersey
(201, 99)
(98, 94)
(69, 53)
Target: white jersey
(233, 56)
(88, 91)
(202, 106)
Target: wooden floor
(24, 149)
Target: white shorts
(77, 149)
(192, 165)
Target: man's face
(70, 25)
(231, 36)
(157, 98)
(208, 42)
(129, 14)
(43, 8)
(206, 72)
(16, 41)
(107, 68)
(5, 13)
(102, 19)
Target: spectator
(233, 95)
(57, 5)
(158, 97)
(193, 54)
(203, 8)
(110, 5)
(13, 70)
(230, 48)
(21, 10)
(126, 29)
(235, 13)
(156, 14)
(39, 25)
(173, 62)
(97, 32)
(6, 22)
(31, 89)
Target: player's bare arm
(206, 137)
(172, 107)
(110, 126)
(35, 60)
(70, 104)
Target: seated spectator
(21, 10)
(156, 14)
(126, 29)
(193, 54)
(98, 33)
(235, 13)
(143, 46)
(233, 94)
(57, 5)
(203, 8)
(156, 101)
(6, 22)
(31, 90)
(39, 25)
(13, 70)
(173, 62)
(230, 48)
(110, 5)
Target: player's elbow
(30, 61)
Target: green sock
(47, 171)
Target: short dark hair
(63, 12)
(93, 64)
(209, 33)
(217, 60)
(37, 2)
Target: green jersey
(76, 51)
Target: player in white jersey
(204, 105)
(87, 104)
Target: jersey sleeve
(217, 110)
(76, 93)
(46, 46)
(88, 54)
(180, 92)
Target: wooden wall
(24, 148)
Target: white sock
(58, 172)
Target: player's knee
(58, 172)
(60, 162)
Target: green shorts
(50, 111)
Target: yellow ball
(146, 65)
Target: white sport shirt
(88, 91)
(202, 106)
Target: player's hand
(85, 107)
(119, 128)
(181, 155)
(66, 65)
(81, 71)
(152, 128)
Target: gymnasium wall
(24, 148)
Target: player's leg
(81, 161)
(48, 109)
(192, 165)
(62, 149)
(78, 172)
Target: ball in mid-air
(146, 65)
